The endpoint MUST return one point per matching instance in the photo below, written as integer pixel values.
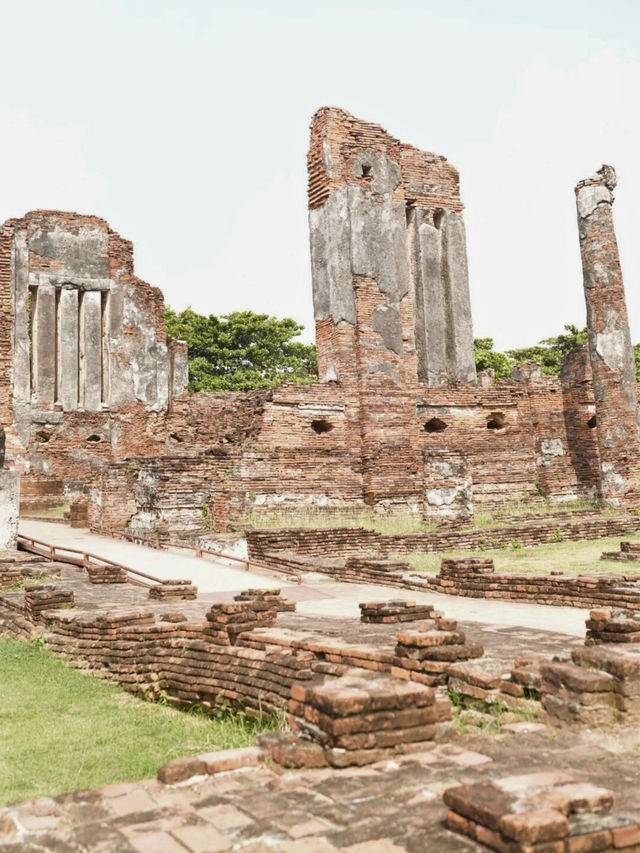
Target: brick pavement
(395, 805)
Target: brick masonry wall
(337, 137)
(390, 425)
(353, 541)
(6, 325)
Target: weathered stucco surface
(376, 212)
(610, 347)
(95, 398)
(9, 501)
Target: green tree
(487, 358)
(549, 351)
(242, 350)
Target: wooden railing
(249, 565)
(82, 559)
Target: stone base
(9, 506)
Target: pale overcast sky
(185, 124)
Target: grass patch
(63, 730)
(321, 519)
(484, 517)
(18, 585)
(486, 717)
(506, 514)
(50, 512)
(581, 557)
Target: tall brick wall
(388, 257)
(397, 421)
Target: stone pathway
(387, 808)
(208, 574)
(318, 596)
(343, 600)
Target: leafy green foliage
(242, 350)
(487, 358)
(550, 351)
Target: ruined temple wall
(397, 421)
(579, 413)
(295, 448)
(512, 437)
(388, 254)
(85, 335)
(231, 454)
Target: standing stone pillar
(9, 502)
(610, 349)
(68, 343)
(91, 352)
(44, 345)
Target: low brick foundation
(613, 626)
(41, 598)
(251, 609)
(546, 811)
(9, 574)
(363, 717)
(356, 541)
(600, 686)
(106, 574)
(629, 551)
(433, 651)
(481, 684)
(476, 578)
(173, 590)
(272, 597)
(389, 612)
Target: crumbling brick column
(610, 349)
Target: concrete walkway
(319, 596)
(208, 574)
(345, 597)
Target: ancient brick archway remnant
(610, 349)
(88, 335)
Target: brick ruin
(9, 502)
(610, 349)
(94, 402)
(86, 367)
(379, 699)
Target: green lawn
(63, 730)
(581, 557)
(406, 524)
